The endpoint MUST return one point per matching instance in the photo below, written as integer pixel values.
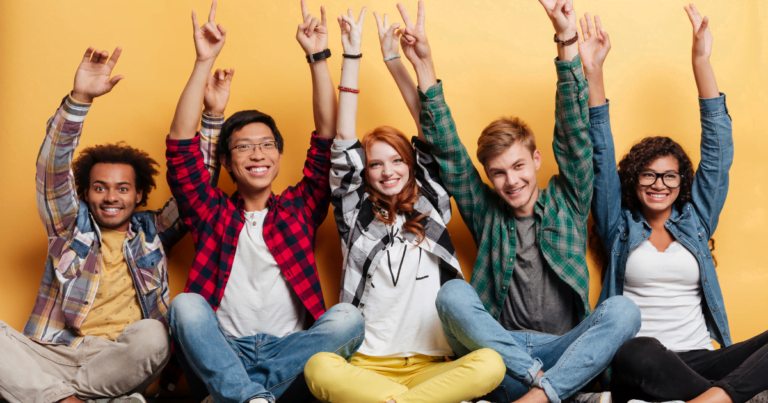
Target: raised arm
(571, 145)
(710, 184)
(209, 40)
(459, 175)
(57, 201)
(312, 35)
(389, 38)
(351, 40)
(606, 200)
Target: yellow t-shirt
(116, 305)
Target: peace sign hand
(209, 38)
(92, 76)
(414, 39)
(352, 31)
(702, 36)
(312, 34)
(389, 35)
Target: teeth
(657, 196)
(111, 210)
(389, 182)
(515, 191)
(258, 170)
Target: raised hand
(594, 44)
(389, 35)
(414, 38)
(92, 77)
(702, 36)
(210, 37)
(217, 91)
(312, 34)
(563, 17)
(352, 31)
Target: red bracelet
(347, 89)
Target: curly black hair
(643, 154)
(640, 156)
(120, 153)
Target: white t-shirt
(400, 315)
(666, 287)
(258, 298)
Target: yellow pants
(420, 378)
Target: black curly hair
(120, 153)
(640, 156)
(643, 154)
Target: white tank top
(666, 287)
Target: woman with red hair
(391, 210)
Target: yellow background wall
(495, 57)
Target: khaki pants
(33, 372)
(417, 379)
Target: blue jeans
(236, 370)
(570, 361)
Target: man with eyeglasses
(241, 329)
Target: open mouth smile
(390, 182)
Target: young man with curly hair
(98, 328)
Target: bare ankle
(71, 399)
(535, 395)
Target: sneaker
(208, 399)
(761, 397)
(579, 397)
(134, 398)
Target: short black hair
(236, 122)
(120, 153)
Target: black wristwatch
(318, 56)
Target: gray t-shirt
(537, 299)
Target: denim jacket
(622, 230)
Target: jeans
(570, 361)
(236, 370)
(644, 369)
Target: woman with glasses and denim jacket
(656, 216)
(391, 211)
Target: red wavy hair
(410, 193)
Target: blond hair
(501, 134)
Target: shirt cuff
(212, 121)
(341, 145)
(600, 114)
(569, 70)
(434, 93)
(180, 146)
(320, 143)
(73, 110)
(713, 106)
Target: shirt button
(505, 287)
(714, 309)
(511, 228)
(511, 260)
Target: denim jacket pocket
(150, 271)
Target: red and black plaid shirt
(216, 220)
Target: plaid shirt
(561, 209)
(216, 221)
(73, 264)
(364, 238)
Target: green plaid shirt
(561, 209)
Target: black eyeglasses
(671, 180)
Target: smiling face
(658, 198)
(256, 169)
(386, 170)
(112, 195)
(513, 175)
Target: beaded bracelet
(347, 89)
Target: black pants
(644, 369)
